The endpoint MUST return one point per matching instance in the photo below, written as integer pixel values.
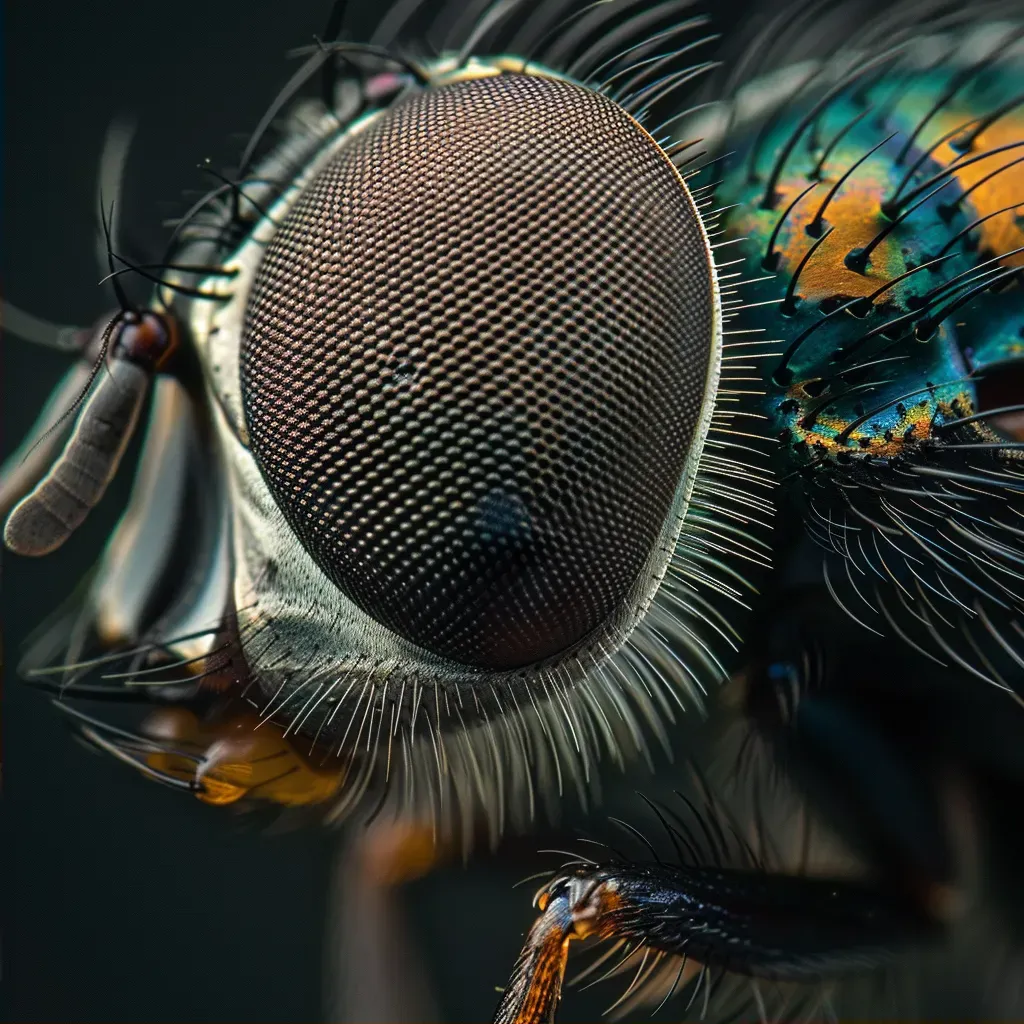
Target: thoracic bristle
(889, 214)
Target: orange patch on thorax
(1000, 233)
(855, 217)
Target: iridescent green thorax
(866, 249)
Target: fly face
(453, 345)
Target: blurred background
(122, 901)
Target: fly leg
(776, 927)
(533, 991)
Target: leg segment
(779, 927)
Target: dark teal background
(120, 900)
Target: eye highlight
(474, 362)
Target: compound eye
(474, 363)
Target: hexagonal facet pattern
(474, 362)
